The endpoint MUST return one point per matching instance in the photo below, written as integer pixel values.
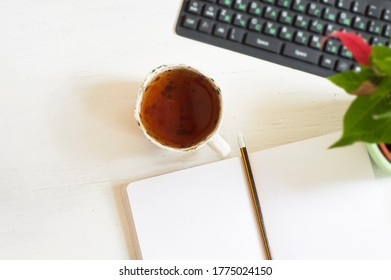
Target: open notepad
(317, 204)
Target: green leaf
(381, 59)
(380, 52)
(360, 123)
(384, 66)
(352, 80)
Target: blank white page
(199, 213)
(317, 204)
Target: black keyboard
(287, 32)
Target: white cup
(212, 139)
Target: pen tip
(241, 140)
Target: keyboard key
(315, 10)
(255, 9)
(195, 7)
(330, 14)
(328, 62)
(286, 33)
(225, 15)
(302, 21)
(360, 23)
(343, 66)
(373, 11)
(315, 42)
(358, 7)
(345, 19)
(190, 22)
(263, 42)
(220, 31)
(386, 15)
(255, 24)
(301, 37)
(236, 34)
(271, 13)
(300, 5)
(241, 20)
(378, 41)
(317, 26)
(375, 27)
(286, 17)
(301, 53)
(374, 41)
(210, 11)
(206, 26)
(271, 29)
(332, 46)
(346, 53)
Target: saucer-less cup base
(378, 157)
(214, 140)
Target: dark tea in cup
(179, 107)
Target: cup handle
(219, 145)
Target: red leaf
(360, 49)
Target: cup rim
(147, 79)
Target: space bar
(301, 53)
(263, 42)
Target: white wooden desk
(69, 75)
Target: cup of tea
(180, 109)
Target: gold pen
(254, 194)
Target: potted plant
(368, 119)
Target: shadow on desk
(97, 122)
